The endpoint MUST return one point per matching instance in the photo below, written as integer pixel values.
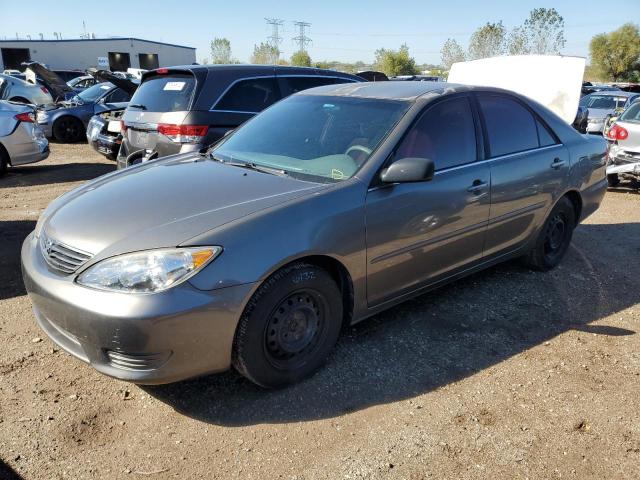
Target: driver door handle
(477, 186)
(557, 163)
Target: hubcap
(294, 327)
(555, 234)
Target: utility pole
(302, 40)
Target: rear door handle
(477, 186)
(557, 163)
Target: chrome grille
(61, 257)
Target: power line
(302, 40)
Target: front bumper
(143, 338)
(622, 162)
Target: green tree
(451, 53)
(221, 51)
(487, 41)
(395, 62)
(301, 59)
(265, 54)
(616, 55)
(518, 43)
(544, 31)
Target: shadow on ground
(438, 338)
(8, 473)
(36, 174)
(12, 234)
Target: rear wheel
(68, 130)
(289, 327)
(613, 179)
(554, 238)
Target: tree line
(615, 56)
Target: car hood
(163, 204)
(122, 83)
(58, 87)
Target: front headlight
(147, 272)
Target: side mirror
(411, 169)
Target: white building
(116, 54)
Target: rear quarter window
(251, 95)
(511, 128)
(166, 93)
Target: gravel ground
(505, 374)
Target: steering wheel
(358, 148)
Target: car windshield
(606, 102)
(320, 138)
(93, 93)
(632, 114)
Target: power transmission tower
(302, 40)
(275, 39)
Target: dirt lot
(506, 374)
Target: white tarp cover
(552, 80)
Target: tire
(613, 179)
(4, 161)
(68, 130)
(289, 326)
(554, 238)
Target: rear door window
(511, 128)
(444, 134)
(166, 93)
(291, 85)
(250, 96)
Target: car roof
(251, 69)
(614, 93)
(387, 90)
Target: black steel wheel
(555, 237)
(289, 326)
(68, 130)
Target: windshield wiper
(138, 106)
(251, 166)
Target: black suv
(186, 108)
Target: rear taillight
(616, 132)
(25, 117)
(44, 89)
(183, 133)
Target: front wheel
(68, 130)
(289, 326)
(554, 238)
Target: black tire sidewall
(250, 358)
(542, 261)
(64, 138)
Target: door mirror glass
(412, 169)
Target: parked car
(416, 78)
(328, 207)
(21, 140)
(104, 132)
(187, 108)
(601, 104)
(590, 88)
(67, 121)
(82, 83)
(21, 91)
(624, 151)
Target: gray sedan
(605, 104)
(21, 140)
(328, 207)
